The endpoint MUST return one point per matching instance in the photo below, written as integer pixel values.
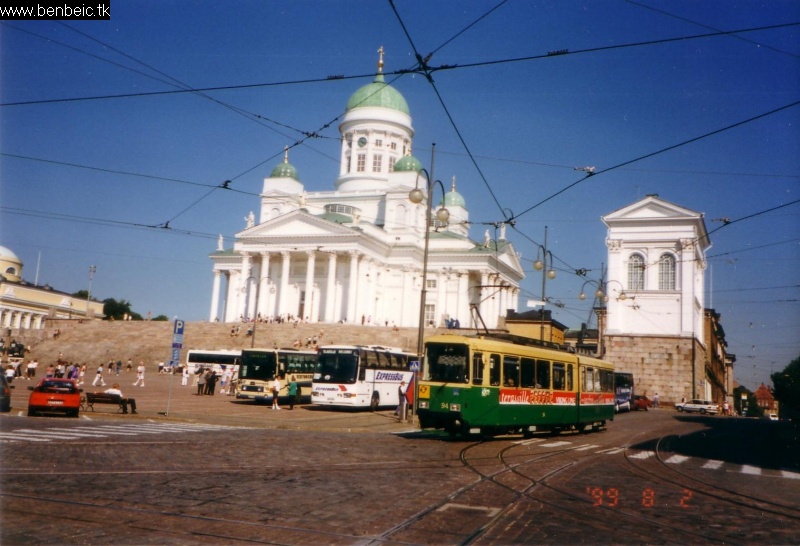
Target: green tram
(504, 384)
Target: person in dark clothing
(211, 382)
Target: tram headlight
(455, 407)
(423, 404)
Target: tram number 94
(611, 497)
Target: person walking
(124, 401)
(139, 374)
(98, 377)
(402, 401)
(276, 389)
(292, 392)
(185, 376)
(655, 401)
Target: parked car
(5, 394)
(641, 402)
(54, 395)
(701, 406)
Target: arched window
(636, 272)
(400, 218)
(666, 272)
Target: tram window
(588, 379)
(559, 377)
(448, 362)
(542, 374)
(511, 371)
(527, 371)
(569, 377)
(606, 381)
(494, 370)
(477, 369)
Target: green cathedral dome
(407, 163)
(378, 94)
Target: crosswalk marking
(642, 455)
(585, 447)
(104, 431)
(789, 474)
(752, 470)
(556, 444)
(677, 459)
(713, 464)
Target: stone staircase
(100, 341)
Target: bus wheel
(375, 402)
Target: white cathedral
(356, 254)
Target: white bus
(260, 366)
(218, 360)
(360, 376)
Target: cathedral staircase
(98, 342)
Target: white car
(701, 406)
(772, 416)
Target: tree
(117, 310)
(787, 390)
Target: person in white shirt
(139, 375)
(125, 401)
(276, 389)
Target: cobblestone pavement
(192, 469)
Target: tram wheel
(375, 402)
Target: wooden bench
(93, 398)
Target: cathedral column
(308, 307)
(352, 288)
(330, 291)
(283, 295)
(263, 286)
(215, 296)
(462, 307)
(232, 299)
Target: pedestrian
(292, 392)
(201, 381)
(82, 374)
(226, 379)
(185, 376)
(124, 401)
(726, 409)
(119, 366)
(655, 401)
(139, 374)
(402, 401)
(276, 389)
(211, 382)
(98, 377)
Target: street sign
(413, 365)
(178, 330)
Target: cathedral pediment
(651, 208)
(294, 224)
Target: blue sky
(627, 87)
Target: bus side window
(569, 377)
(527, 373)
(559, 379)
(542, 374)
(477, 369)
(494, 370)
(511, 371)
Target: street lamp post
(92, 270)
(416, 196)
(541, 265)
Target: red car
(53, 395)
(641, 403)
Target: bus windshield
(336, 366)
(257, 365)
(447, 362)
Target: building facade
(655, 324)
(25, 305)
(356, 253)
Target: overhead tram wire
(396, 72)
(124, 173)
(174, 82)
(423, 68)
(658, 152)
(685, 20)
